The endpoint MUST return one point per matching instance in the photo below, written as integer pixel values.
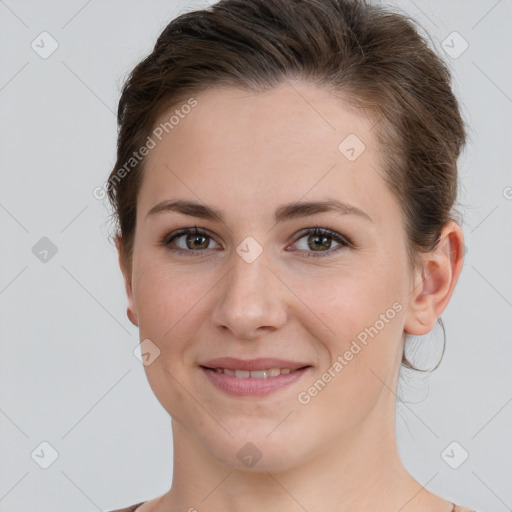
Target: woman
(284, 190)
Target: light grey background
(68, 373)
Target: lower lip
(250, 385)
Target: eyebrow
(283, 213)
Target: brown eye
(320, 241)
(190, 241)
(196, 241)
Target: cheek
(362, 325)
(168, 304)
(166, 298)
(346, 302)
(364, 356)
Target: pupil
(197, 238)
(323, 242)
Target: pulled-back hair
(368, 55)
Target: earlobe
(131, 316)
(422, 316)
(433, 289)
(130, 310)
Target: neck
(360, 471)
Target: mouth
(253, 377)
(255, 374)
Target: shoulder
(133, 507)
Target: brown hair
(369, 55)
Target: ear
(434, 287)
(127, 275)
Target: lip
(251, 386)
(261, 363)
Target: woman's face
(260, 284)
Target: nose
(251, 300)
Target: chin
(259, 453)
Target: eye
(194, 241)
(189, 241)
(318, 242)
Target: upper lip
(261, 363)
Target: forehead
(269, 122)
(264, 148)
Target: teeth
(257, 374)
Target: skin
(246, 154)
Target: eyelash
(316, 231)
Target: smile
(253, 382)
(256, 374)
